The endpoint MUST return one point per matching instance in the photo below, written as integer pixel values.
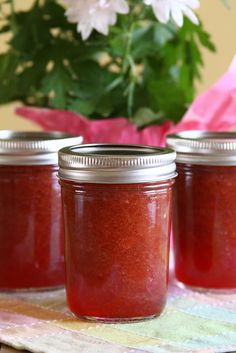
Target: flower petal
(193, 4)
(95, 14)
(161, 10)
(191, 15)
(85, 29)
(164, 9)
(102, 21)
(177, 15)
(148, 2)
(119, 6)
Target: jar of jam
(31, 231)
(205, 210)
(117, 209)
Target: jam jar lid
(206, 148)
(33, 148)
(116, 164)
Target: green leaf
(142, 43)
(32, 32)
(167, 98)
(5, 29)
(163, 33)
(152, 67)
(58, 84)
(145, 116)
(8, 66)
(185, 82)
(90, 79)
(84, 107)
(118, 44)
(206, 40)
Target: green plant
(143, 70)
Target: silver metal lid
(33, 148)
(116, 164)
(206, 148)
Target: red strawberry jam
(204, 209)
(117, 234)
(31, 232)
(205, 226)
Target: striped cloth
(191, 322)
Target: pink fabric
(214, 110)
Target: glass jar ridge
(31, 232)
(117, 234)
(204, 147)
(33, 148)
(204, 225)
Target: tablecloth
(192, 322)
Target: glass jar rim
(116, 163)
(204, 147)
(33, 147)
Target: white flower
(177, 9)
(95, 14)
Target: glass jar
(31, 231)
(117, 207)
(205, 210)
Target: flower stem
(128, 67)
(13, 18)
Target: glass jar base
(205, 289)
(31, 290)
(106, 320)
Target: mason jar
(205, 209)
(31, 230)
(117, 210)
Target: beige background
(219, 21)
